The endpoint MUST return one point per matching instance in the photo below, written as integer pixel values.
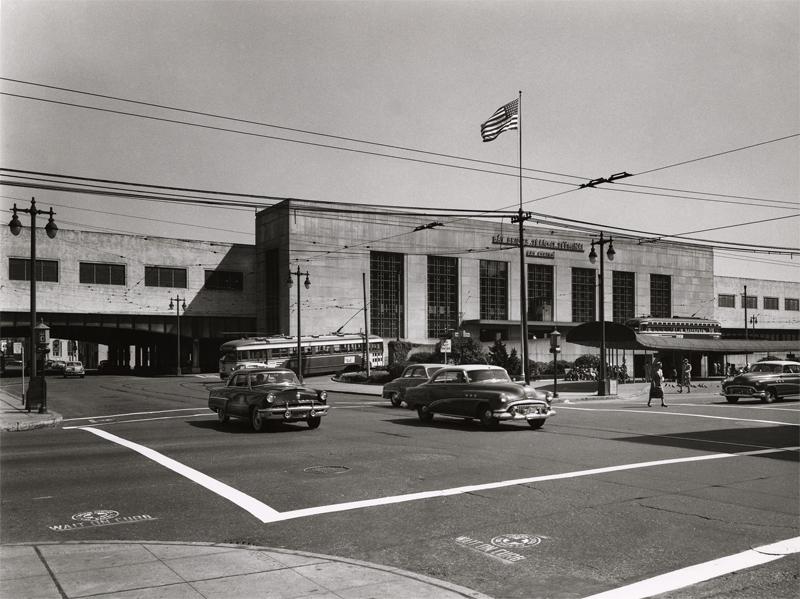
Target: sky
(697, 96)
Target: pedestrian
(686, 379)
(656, 385)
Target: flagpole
(523, 304)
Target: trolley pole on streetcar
(306, 284)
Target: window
(442, 295)
(583, 294)
(624, 296)
(660, 296)
(791, 303)
(540, 292)
(726, 301)
(770, 303)
(162, 276)
(224, 280)
(19, 269)
(494, 290)
(752, 301)
(386, 292)
(56, 353)
(102, 274)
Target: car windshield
(488, 375)
(276, 378)
(766, 368)
(73, 363)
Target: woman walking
(656, 385)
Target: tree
(499, 356)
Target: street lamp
(306, 284)
(36, 389)
(753, 321)
(601, 386)
(177, 305)
(555, 347)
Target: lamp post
(601, 386)
(306, 284)
(555, 347)
(37, 387)
(177, 305)
(753, 321)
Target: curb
(14, 418)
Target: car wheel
(257, 420)
(314, 421)
(731, 399)
(486, 417)
(424, 414)
(772, 396)
(222, 416)
(534, 424)
(395, 399)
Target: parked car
(12, 366)
(74, 368)
(481, 392)
(768, 381)
(263, 395)
(413, 375)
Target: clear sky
(607, 86)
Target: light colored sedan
(74, 369)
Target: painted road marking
(109, 421)
(260, 510)
(702, 572)
(267, 514)
(130, 414)
(666, 412)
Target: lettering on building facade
(541, 243)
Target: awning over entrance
(619, 336)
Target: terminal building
(402, 277)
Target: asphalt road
(607, 494)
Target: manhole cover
(326, 469)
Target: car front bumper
(535, 412)
(744, 392)
(293, 413)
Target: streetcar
(682, 327)
(322, 354)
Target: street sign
(17, 347)
(447, 346)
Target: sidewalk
(14, 416)
(142, 570)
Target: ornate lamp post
(36, 389)
(601, 387)
(177, 305)
(555, 347)
(753, 321)
(306, 284)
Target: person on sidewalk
(686, 378)
(656, 385)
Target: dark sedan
(768, 381)
(268, 395)
(477, 391)
(413, 375)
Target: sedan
(265, 395)
(768, 381)
(481, 392)
(413, 375)
(74, 369)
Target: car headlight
(269, 398)
(322, 395)
(548, 396)
(504, 398)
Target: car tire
(314, 421)
(731, 398)
(395, 399)
(257, 421)
(772, 396)
(424, 414)
(222, 416)
(537, 423)
(486, 417)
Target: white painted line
(260, 510)
(354, 505)
(702, 572)
(659, 411)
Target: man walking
(686, 378)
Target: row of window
(95, 273)
(726, 300)
(386, 293)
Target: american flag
(505, 118)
